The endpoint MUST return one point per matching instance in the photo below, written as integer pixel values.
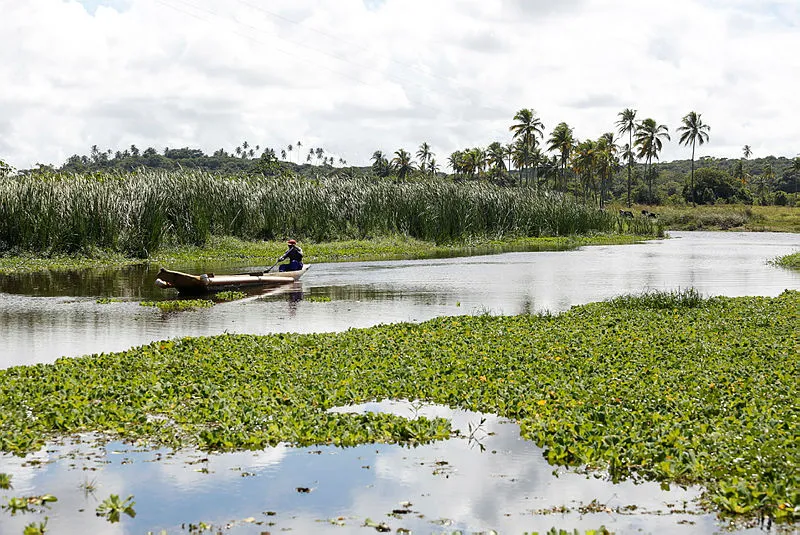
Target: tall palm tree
(606, 161)
(627, 124)
(649, 135)
(796, 172)
(454, 161)
(402, 164)
(380, 165)
(424, 154)
(562, 141)
(527, 128)
(496, 154)
(695, 132)
(583, 164)
(433, 167)
(747, 151)
(290, 147)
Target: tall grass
(139, 212)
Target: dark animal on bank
(626, 213)
(651, 215)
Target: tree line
(622, 165)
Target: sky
(356, 76)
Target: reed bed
(137, 213)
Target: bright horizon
(357, 76)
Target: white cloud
(355, 76)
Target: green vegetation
(137, 214)
(739, 217)
(666, 387)
(108, 300)
(178, 304)
(790, 261)
(229, 295)
(112, 507)
(318, 299)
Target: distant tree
(496, 157)
(380, 164)
(583, 164)
(290, 147)
(712, 185)
(627, 124)
(402, 164)
(747, 151)
(424, 154)
(606, 161)
(433, 167)
(562, 141)
(526, 130)
(649, 136)
(695, 132)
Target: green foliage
(113, 507)
(714, 185)
(671, 388)
(108, 300)
(137, 213)
(660, 300)
(318, 299)
(229, 295)
(5, 481)
(178, 305)
(36, 528)
(789, 261)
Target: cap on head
(292, 242)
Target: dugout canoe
(209, 282)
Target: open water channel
(489, 479)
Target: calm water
(494, 480)
(43, 317)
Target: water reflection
(487, 478)
(45, 316)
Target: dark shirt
(294, 253)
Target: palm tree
(627, 124)
(424, 154)
(562, 141)
(290, 147)
(583, 164)
(606, 161)
(402, 164)
(527, 128)
(496, 154)
(433, 167)
(649, 135)
(454, 161)
(695, 132)
(283, 154)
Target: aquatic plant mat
(668, 387)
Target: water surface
(45, 316)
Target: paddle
(272, 266)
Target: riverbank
(234, 250)
(737, 217)
(669, 387)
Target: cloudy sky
(354, 76)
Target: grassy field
(727, 217)
(670, 387)
(139, 213)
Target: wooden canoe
(187, 283)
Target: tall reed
(139, 212)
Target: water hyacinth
(137, 213)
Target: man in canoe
(295, 256)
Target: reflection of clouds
(222, 467)
(498, 488)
